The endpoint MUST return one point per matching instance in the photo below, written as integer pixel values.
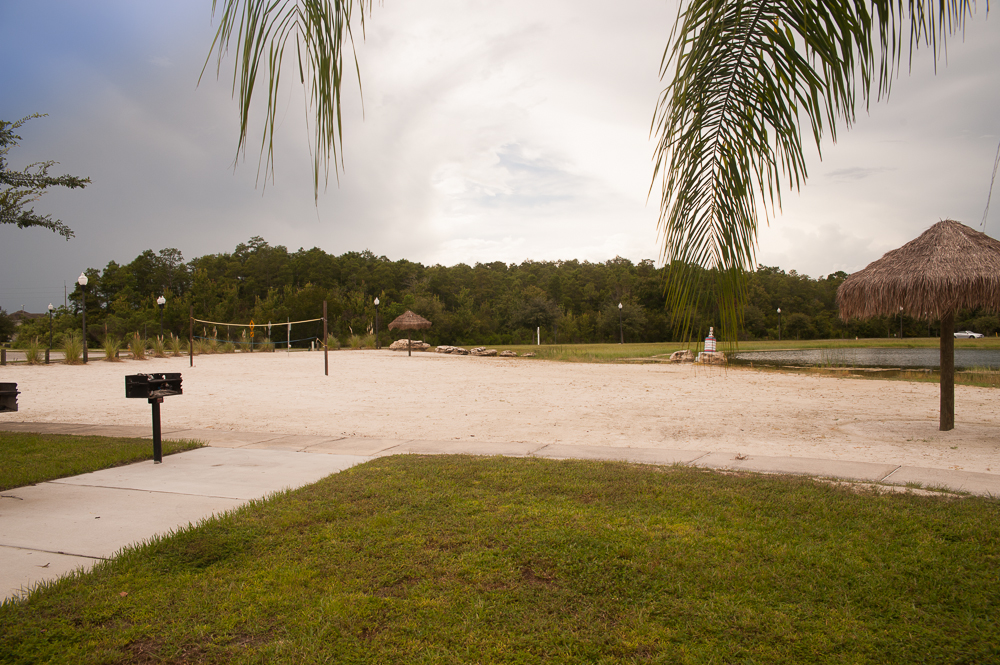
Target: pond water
(905, 358)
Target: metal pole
(83, 296)
(326, 356)
(49, 350)
(161, 321)
(191, 336)
(621, 330)
(157, 450)
(376, 327)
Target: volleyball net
(270, 334)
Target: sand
(387, 395)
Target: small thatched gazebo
(949, 267)
(409, 321)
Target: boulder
(482, 351)
(444, 348)
(529, 354)
(508, 354)
(401, 345)
(712, 358)
(683, 356)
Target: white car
(967, 334)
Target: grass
(159, 347)
(444, 559)
(35, 458)
(34, 351)
(176, 347)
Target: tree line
(486, 303)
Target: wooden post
(409, 344)
(191, 337)
(326, 357)
(947, 371)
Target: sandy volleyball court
(388, 395)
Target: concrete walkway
(53, 528)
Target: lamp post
(51, 309)
(376, 323)
(779, 324)
(82, 281)
(161, 301)
(900, 322)
(621, 330)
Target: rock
(683, 356)
(482, 351)
(529, 354)
(712, 358)
(401, 345)
(459, 351)
(444, 348)
(508, 354)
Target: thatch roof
(949, 267)
(409, 321)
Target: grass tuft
(72, 348)
(112, 345)
(137, 346)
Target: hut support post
(947, 371)
(326, 334)
(191, 336)
(409, 344)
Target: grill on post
(154, 387)
(8, 396)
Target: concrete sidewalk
(52, 528)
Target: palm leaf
(746, 76)
(260, 31)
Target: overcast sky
(492, 130)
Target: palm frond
(746, 76)
(260, 31)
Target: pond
(903, 358)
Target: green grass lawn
(34, 458)
(445, 559)
(613, 352)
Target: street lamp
(779, 324)
(82, 281)
(51, 309)
(900, 322)
(161, 301)
(376, 323)
(621, 331)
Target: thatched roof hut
(949, 267)
(409, 321)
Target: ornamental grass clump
(368, 342)
(112, 345)
(33, 352)
(246, 342)
(72, 348)
(137, 346)
(159, 347)
(176, 347)
(267, 344)
(332, 342)
(227, 347)
(354, 341)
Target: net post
(326, 357)
(191, 337)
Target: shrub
(227, 347)
(368, 342)
(332, 342)
(73, 348)
(246, 342)
(267, 344)
(354, 341)
(137, 346)
(112, 345)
